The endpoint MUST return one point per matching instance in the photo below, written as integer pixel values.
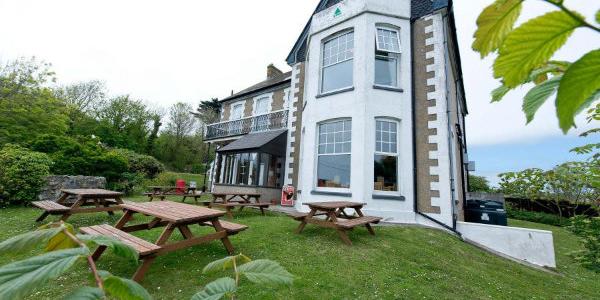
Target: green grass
(399, 263)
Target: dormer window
(387, 57)
(337, 62)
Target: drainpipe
(414, 137)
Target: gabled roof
(264, 85)
(419, 8)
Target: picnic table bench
(335, 217)
(102, 200)
(161, 192)
(172, 216)
(229, 202)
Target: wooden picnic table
(102, 200)
(336, 217)
(161, 192)
(228, 201)
(171, 216)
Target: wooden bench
(231, 205)
(231, 228)
(351, 223)
(49, 208)
(143, 248)
(299, 216)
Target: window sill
(388, 197)
(388, 88)
(324, 193)
(344, 90)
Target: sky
(188, 50)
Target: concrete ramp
(531, 246)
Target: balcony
(271, 121)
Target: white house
(373, 111)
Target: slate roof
(253, 141)
(263, 85)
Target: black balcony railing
(272, 121)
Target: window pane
(387, 40)
(334, 171)
(337, 76)
(386, 169)
(386, 71)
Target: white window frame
(316, 186)
(269, 97)
(387, 28)
(396, 154)
(395, 54)
(322, 60)
(232, 105)
(286, 99)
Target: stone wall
(51, 190)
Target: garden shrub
(147, 165)
(537, 217)
(22, 174)
(589, 230)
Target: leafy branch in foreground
(63, 248)
(525, 53)
(260, 271)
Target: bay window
(253, 169)
(386, 156)
(334, 147)
(337, 63)
(387, 57)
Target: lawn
(406, 262)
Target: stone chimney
(272, 71)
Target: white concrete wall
(529, 245)
(362, 105)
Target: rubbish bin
(486, 212)
(180, 186)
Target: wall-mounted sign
(337, 13)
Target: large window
(334, 146)
(338, 57)
(386, 155)
(255, 169)
(387, 56)
(236, 113)
(261, 109)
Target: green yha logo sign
(338, 12)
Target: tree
(27, 107)
(181, 121)
(82, 96)
(525, 56)
(208, 112)
(479, 184)
(125, 123)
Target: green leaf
(19, 278)
(125, 289)
(499, 93)
(28, 240)
(494, 24)
(538, 95)
(531, 45)
(264, 271)
(61, 240)
(225, 263)
(598, 17)
(580, 82)
(217, 289)
(118, 247)
(86, 293)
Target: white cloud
(189, 50)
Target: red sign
(287, 196)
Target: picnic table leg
(43, 216)
(229, 213)
(303, 223)
(147, 261)
(262, 211)
(217, 225)
(185, 231)
(344, 236)
(369, 227)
